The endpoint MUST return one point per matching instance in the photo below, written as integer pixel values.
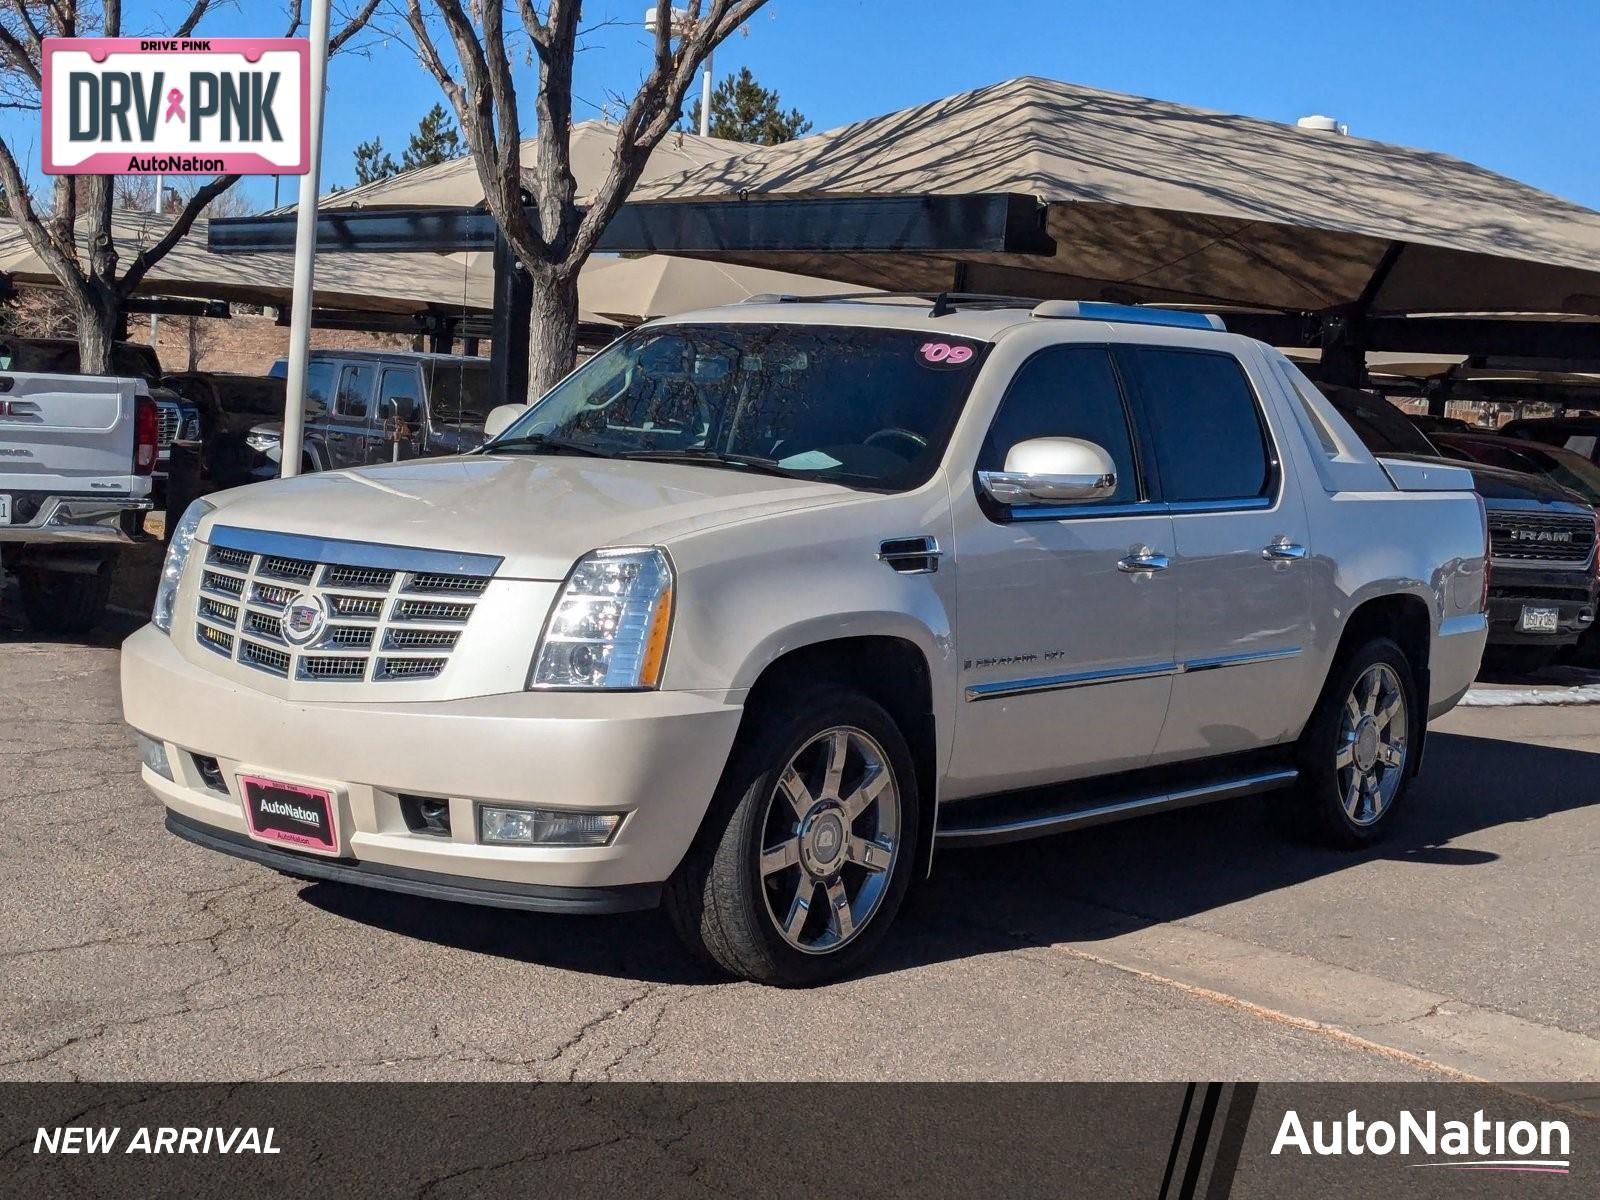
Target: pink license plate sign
(170, 106)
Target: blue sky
(1512, 86)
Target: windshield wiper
(717, 458)
(542, 441)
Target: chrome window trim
(1145, 508)
(337, 552)
(1005, 688)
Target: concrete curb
(1509, 697)
(1427, 1028)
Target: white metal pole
(305, 252)
(154, 327)
(705, 101)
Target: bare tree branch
(196, 14)
(656, 107)
(20, 202)
(352, 27)
(153, 254)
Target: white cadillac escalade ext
(763, 603)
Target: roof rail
(1132, 314)
(944, 303)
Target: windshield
(865, 407)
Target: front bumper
(655, 756)
(74, 520)
(1571, 592)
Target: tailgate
(67, 433)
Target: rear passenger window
(355, 391)
(1066, 391)
(1206, 431)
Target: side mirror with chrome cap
(501, 418)
(1052, 470)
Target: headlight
(177, 557)
(609, 625)
(262, 441)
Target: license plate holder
(291, 814)
(1537, 619)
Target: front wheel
(1355, 752)
(807, 852)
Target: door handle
(1281, 549)
(1142, 559)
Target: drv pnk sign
(176, 106)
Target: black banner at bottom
(805, 1140)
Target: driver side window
(1066, 391)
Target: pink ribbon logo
(175, 105)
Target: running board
(993, 820)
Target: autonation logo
(1480, 1144)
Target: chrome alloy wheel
(1370, 759)
(830, 840)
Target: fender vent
(911, 555)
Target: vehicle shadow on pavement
(1079, 887)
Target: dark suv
(1543, 583)
(371, 406)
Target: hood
(538, 512)
(1498, 483)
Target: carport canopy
(1147, 201)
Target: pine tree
(744, 111)
(435, 141)
(372, 164)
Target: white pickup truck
(763, 603)
(76, 457)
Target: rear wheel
(807, 853)
(1355, 753)
(65, 602)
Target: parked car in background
(1581, 435)
(176, 419)
(1543, 587)
(372, 406)
(763, 602)
(76, 457)
(231, 407)
(1562, 467)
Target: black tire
(65, 602)
(1323, 787)
(718, 898)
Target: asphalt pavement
(1194, 945)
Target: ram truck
(764, 603)
(77, 453)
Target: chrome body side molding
(1051, 683)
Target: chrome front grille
(168, 418)
(373, 618)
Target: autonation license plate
(1539, 620)
(5, 509)
(301, 817)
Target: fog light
(544, 827)
(154, 754)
